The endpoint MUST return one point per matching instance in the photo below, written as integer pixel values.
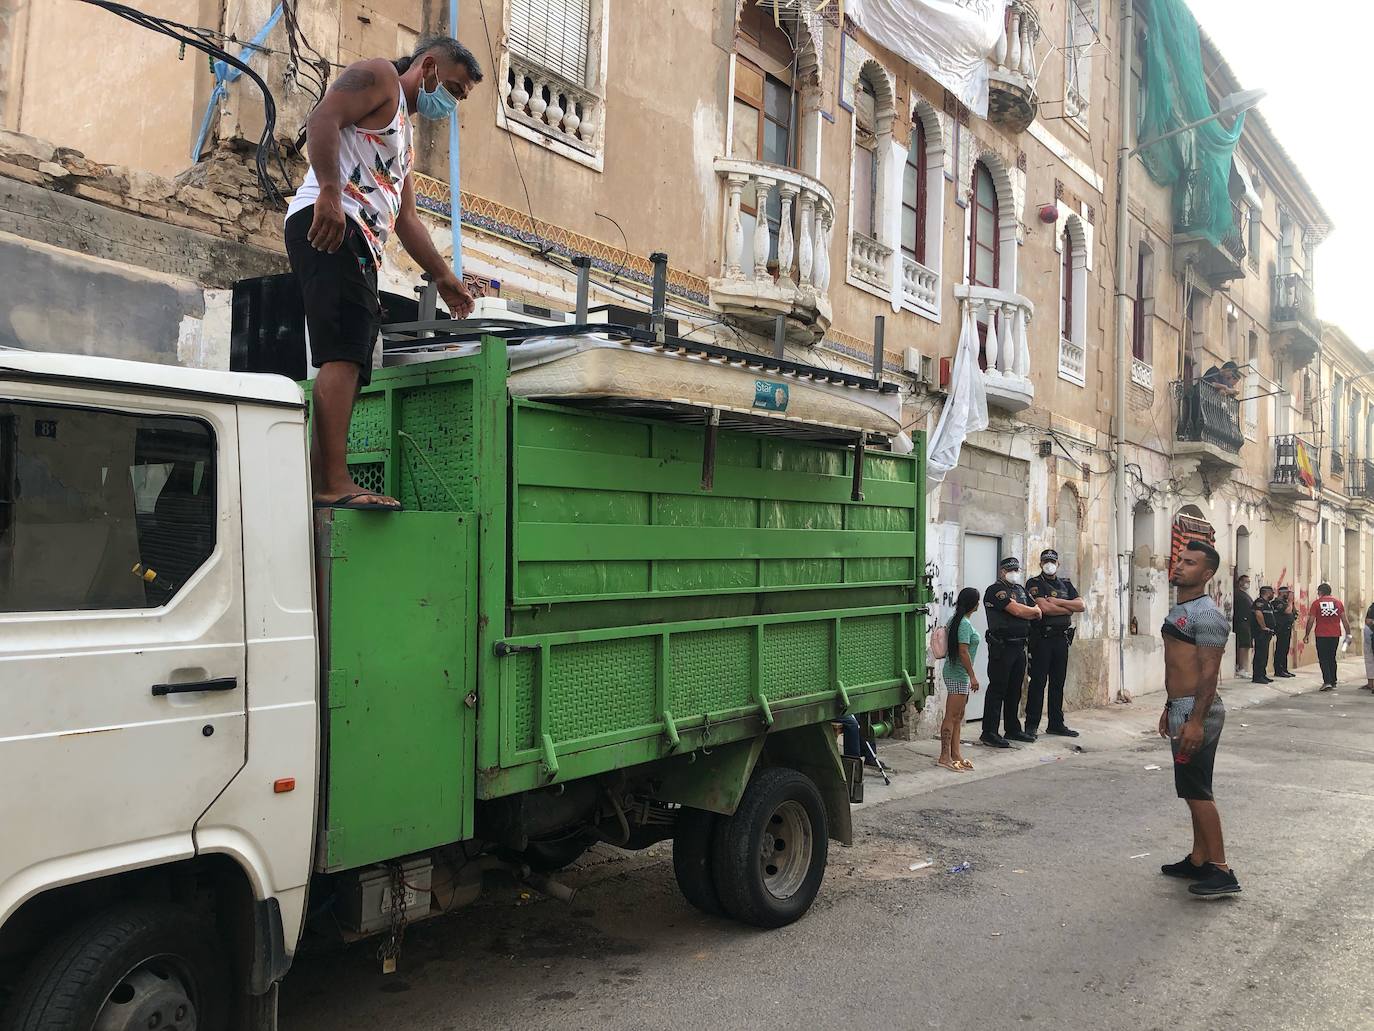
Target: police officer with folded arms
(1285, 615)
(1010, 615)
(1057, 599)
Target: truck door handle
(220, 684)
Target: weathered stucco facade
(669, 127)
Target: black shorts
(1193, 776)
(342, 310)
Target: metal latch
(503, 649)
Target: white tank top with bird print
(373, 165)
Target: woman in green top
(959, 678)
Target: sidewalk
(914, 772)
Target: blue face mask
(438, 104)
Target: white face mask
(1012, 576)
(1050, 568)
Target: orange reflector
(284, 785)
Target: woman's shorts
(956, 687)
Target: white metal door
(122, 670)
(981, 555)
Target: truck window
(101, 509)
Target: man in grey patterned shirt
(1195, 636)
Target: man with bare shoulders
(357, 192)
(1195, 636)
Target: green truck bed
(562, 598)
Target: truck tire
(770, 856)
(692, 843)
(132, 967)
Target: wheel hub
(785, 851)
(152, 998)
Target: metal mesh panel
(796, 659)
(869, 649)
(369, 430)
(710, 671)
(369, 476)
(438, 418)
(600, 687)
(522, 706)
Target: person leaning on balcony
(1225, 378)
(1240, 624)
(1285, 615)
(1329, 616)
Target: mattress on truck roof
(595, 366)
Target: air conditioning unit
(920, 366)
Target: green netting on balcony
(1196, 163)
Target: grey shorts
(955, 687)
(1193, 775)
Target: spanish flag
(1305, 472)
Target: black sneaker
(1261, 680)
(1219, 882)
(1328, 687)
(1020, 735)
(1061, 732)
(1186, 869)
(994, 741)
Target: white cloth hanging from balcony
(949, 39)
(966, 408)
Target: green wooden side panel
(400, 734)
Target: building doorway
(981, 555)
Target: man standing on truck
(1195, 637)
(357, 192)
(1009, 613)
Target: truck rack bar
(409, 337)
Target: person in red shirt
(1328, 614)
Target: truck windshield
(101, 509)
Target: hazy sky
(1314, 58)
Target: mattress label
(770, 396)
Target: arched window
(914, 195)
(985, 237)
(865, 157)
(1066, 286)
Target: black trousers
(1049, 661)
(1326, 656)
(1283, 641)
(1260, 662)
(1006, 670)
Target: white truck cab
(158, 692)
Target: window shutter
(553, 34)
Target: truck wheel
(132, 967)
(770, 856)
(692, 841)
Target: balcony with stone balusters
(751, 288)
(1004, 320)
(550, 106)
(1013, 68)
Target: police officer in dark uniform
(1057, 598)
(1285, 615)
(1262, 632)
(1010, 615)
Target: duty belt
(994, 637)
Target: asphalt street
(1063, 922)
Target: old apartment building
(789, 164)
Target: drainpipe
(1123, 355)
(455, 165)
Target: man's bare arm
(416, 240)
(1015, 608)
(359, 90)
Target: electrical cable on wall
(200, 40)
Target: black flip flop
(348, 501)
